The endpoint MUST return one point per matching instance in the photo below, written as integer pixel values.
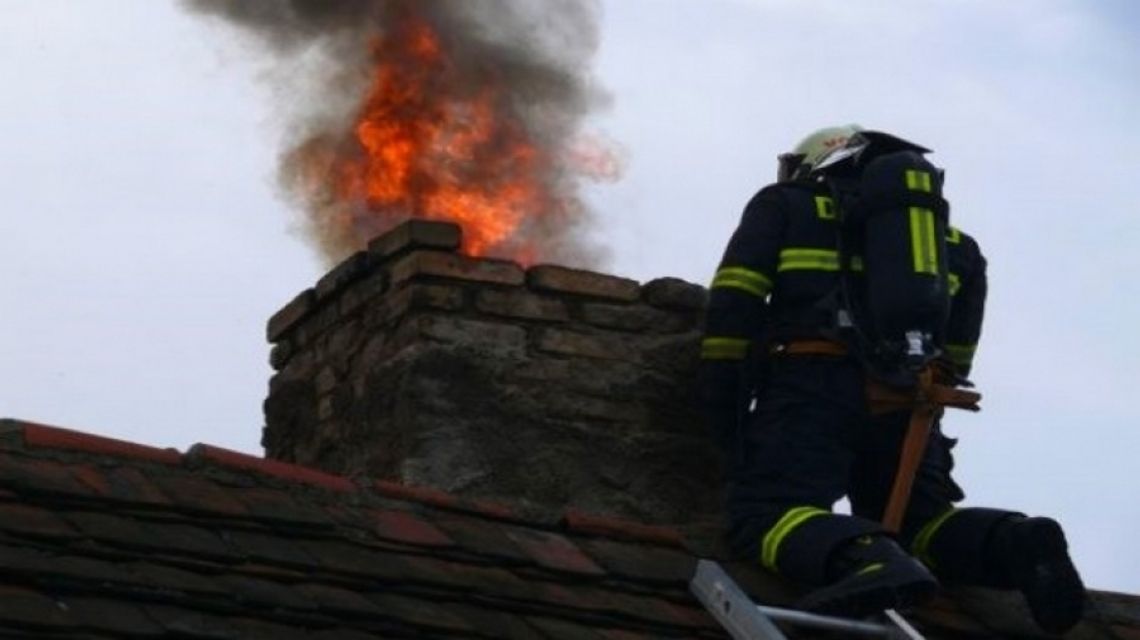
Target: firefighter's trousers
(809, 441)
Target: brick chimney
(544, 387)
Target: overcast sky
(143, 245)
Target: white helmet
(814, 148)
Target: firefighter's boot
(869, 574)
(1035, 555)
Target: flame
(430, 141)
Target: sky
(143, 242)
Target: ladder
(745, 620)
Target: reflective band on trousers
(961, 354)
(770, 547)
(724, 348)
(746, 280)
(921, 545)
(923, 243)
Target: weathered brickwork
(544, 387)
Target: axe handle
(914, 446)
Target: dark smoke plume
(323, 56)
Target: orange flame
(429, 143)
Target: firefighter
(789, 347)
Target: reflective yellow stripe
(856, 263)
(825, 208)
(921, 545)
(918, 180)
(724, 348)
(955, 283)
(770, 546)
(747, 280)
(953, 236)
(961, 354)
(923, 242)
(808, 259)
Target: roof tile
(189, 623)
(280, 508)
(478, 537)
(45, 437)
(198, 495)
(272, 549)
(42, 566)
(424, 495)
(31, 521)
(276, 468)
(554, 551)
(29, 475)
(561, 629)
(170, 578)
(263, 593)
(419, 612)
(402, 526)
(126, 484)
(112, 616)
(28, 608)
(250, 628)
(502, 625)
(338, 601)
(580, 522)
(640, 562)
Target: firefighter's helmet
(813, 148)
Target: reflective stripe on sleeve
(954, 282)
(924, 245)
(800, 259)
(953, 236)
(918, 180)
(770, 546)
(921, 545)
(825, 208)
(724, 348)
(961, 354)
(743, 279)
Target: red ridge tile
(45, 437)
(401, 526)
(275, 468)
(554, 551)
(607, 526)
(423, 495)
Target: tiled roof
(106, 539)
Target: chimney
(544, 387)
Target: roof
(101, 538)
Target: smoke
(327, 60)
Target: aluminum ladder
(745, 620)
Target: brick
(326, 380)
(674, 293)
(361, 293)
(44, 437)
(204, 453)
(480, 335)
(34, 522)
(637, 318)
(554, 551)
(280, 353)
(521, 304)
(417, 296)
(417, 234)
(348, 271)
(30, 608)
(316, 324)
(454, 266)
(289, 315)
(608, 526)
(583, 283)
(402, 526)
(573, 343)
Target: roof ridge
(35, 436)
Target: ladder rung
(829, 623)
